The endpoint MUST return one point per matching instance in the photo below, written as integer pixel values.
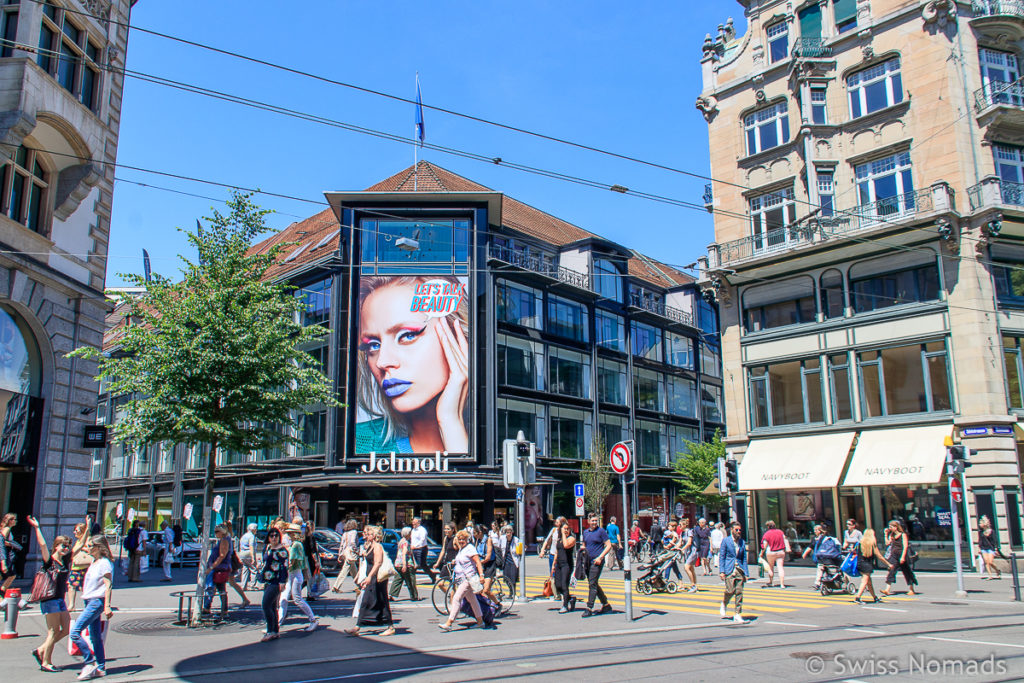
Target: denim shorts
(55, 606)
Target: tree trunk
(207, 531)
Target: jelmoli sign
(405, 464)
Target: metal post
(1016, 576)
(521, 518)
(960, 592)
(627, 581)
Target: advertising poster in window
(412, 367)
(804, 506)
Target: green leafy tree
(696, 471)
(596, 475)
(214, 359)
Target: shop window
(874, 88)
(767, 128)
(682, 397)
(841, 388)
(317, 298)
(520, 363)
(25, 187)
(904, 379)
(570, 433)
(568, 373)
(607, 279)
(646, 341)
(770, 214)
(845, 13)
(518, 304)
(611, 382)
(711, 403)
(911, 285)
(786, 393)
(651, 444)
(710, 359)
(648, 390)
(1014, 371)
(679, 350)
(833, 297)
(514, 416)
(610, 330)
(567, 318)
(70, 55)
(778, 41)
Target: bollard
(1016, 576)
(10, 605)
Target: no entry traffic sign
(956, 490)
(580, 508)
(621, 458)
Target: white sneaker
(312, 626)
(738, 619)
(721, 610)
(88, 672)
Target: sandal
(49, 668)
(351, 631)
(39, 660)
(389, 631)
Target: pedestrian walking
(565, 550)
(717, 536)
(97, 588)
(613, 535)
(348, 555)
(8, 552)
(824, 550)
(900, 556)
(636, 540)
(657, 531)
(775, 546)
(988, 546)
(509, 553)
(247, 556)
(866, 551)
(732, 569)
(56, 563)
(167, 537)
(418, 540)
(275, 576)
(851, 536)
(311, 574)
(691, 558)
(80, 561)
(448, 552)
(136, 547)
(671, 550)
(467, 576)
(702, 540)
(597, 545)
(549, 549)
(405, 568)
(297, 565)
(218, 571)
(488, 559)
(374, 607)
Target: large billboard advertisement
(412, 362)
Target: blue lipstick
(394, 387)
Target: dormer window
(607, 279)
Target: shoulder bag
(387, 567)
(44, 586)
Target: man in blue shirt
(732, 565)
(613, 537)
(598, 547)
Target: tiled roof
(314, 238)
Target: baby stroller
(652, 578)
(833, 580)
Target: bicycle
(441, 592)
(444, 589)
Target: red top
(774, 540)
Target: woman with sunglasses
(275, 576)
(58, 619)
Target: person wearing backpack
(134, 545)
(824, 549)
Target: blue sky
(620, 76)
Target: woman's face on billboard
(402, 348)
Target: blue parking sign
(577, 490)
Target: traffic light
(732, 476)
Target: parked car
(327, 541)
(189, 556)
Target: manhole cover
(824, 656)
(162, 625)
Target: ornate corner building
(60, 109)
(868, 158)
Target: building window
(520, 363)
(679, 440)
(875, 88)
(317, 298)
(845, 13)
(9, 27)
(67, 53)
(514, 416)
(819, 109)
(607, 279)
(786, 393)
(711, 403)
(1009, 282)
(778, 41)
(611, 382)
(1010, 167)
(833, 299)
(612, 429)
(568, 373)
(769, 215)
(767, 128)
(651, 443)
(24, 190)
(904, 379)
(436, 241)
(567, 318)
(312, 428)
(826, 194)
(679, 350)
(710, 359)
(1014, 372)
(999, 76)
(645, 341)
(570, 433)
(780, 313)
(841, 387)
(610, 330)
(899, 287)
(519, 304)
(707, 317)
(648, 390)
(682, 397)
(886, 188)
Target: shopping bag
(144, 564)
(320, 584)
(548, 590)
(849, 565)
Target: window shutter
(844, 9)
(810, 22)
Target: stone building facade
(60, 111)
(869, 258)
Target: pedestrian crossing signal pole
(954, 466)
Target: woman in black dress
(275, 576)
(448, 552)
(899, 557)
(374, 606)
(564, 545)
(866, 551)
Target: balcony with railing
(811, 48)
(866, 217)
(993, 191)
(659, 308)
(995, 94)
(538, 263)
(997, 8)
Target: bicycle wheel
(440, 595)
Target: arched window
(833, 303)
(24, 189)
(20, 367)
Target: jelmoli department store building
(457, 316)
